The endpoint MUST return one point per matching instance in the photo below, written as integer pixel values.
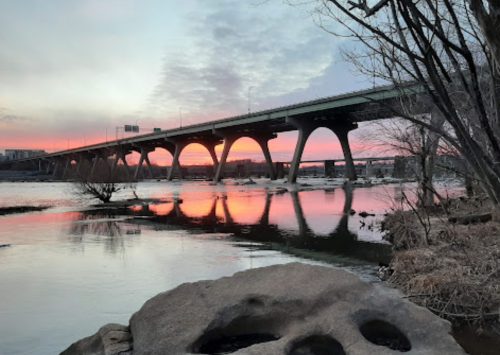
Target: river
(74, 267)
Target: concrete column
(54, 173)
(342, 133)
(79, 163)
(121, 155)
(369, 168)
(304, 133)
(94, 165)
(148, 163)
(264, 144)
(213, 155)
(228, 142)
(175, 161)
(280, 169)
(330, 168)
(115, 163)
(139, 166)
(48, 167)
(68, 164)
(399, 169)
(144, 157)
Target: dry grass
(456, 273)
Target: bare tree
(440, 47)
(101, 184)
(487, 14)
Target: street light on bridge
(180, 116)
(250, 88)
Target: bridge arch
(180, 147)
(261, 139)
(340, 127)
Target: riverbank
(450, 268)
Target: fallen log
(476, 218)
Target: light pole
(180, 116)
(250, 88)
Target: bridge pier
(340, 128)
(121, 154)
(82, 159)
(56, 165)
(369, 168)
(144, 158)
(330, 168)
(98, 156)
(229, 139)
(342, 134)
(179, 147)
(47, 170)
(66, 167)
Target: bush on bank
(453, 270)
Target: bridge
(341, 114)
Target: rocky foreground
(292, 309)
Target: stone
(365, 214)
(292, 309)
(116, 338)
(111, 339)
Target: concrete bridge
(341, 114)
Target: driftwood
(476, 218)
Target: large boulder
(292, 309)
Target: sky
(74, 72)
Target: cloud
(7, 117)
(268, 48)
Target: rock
(116, 339)
(280, 190)
(292, 309)
(249, 182)
(365, 214)
(4, 246)
(111, 339)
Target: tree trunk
(489, 21)
(430, 144)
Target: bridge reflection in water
(312, 224)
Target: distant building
(15, 154)
(2, 157)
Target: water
(73, 268)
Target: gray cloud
(6, 116)
(237, 47)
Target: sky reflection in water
(71, 270)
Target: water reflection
(105, 224)
(294, 222)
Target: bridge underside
(260, 126)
